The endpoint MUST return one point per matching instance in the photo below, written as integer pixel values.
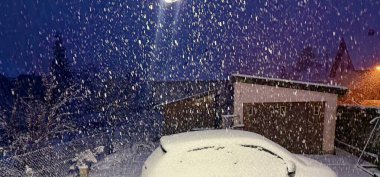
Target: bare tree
(45, 118)
(53, 114)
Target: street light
(377, 68)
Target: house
(190, 113)
(190, 105)
(364, 85)
(364, 88)
(281, 110)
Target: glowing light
(378, 67)
(171, 1)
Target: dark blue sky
(186, 39)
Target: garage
(300, 116)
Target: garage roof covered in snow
(274, 82)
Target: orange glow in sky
(378, 67)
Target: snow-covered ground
(128, 161)
(342, 163)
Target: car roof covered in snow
(275, 82)
(199, 139)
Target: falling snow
(130, 72)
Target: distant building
(364, 85)
(342, 62)
(189, 105)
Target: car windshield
(91, 87)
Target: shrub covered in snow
(86, 158)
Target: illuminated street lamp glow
(170, 1)
(378, 67)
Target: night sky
(186, 39)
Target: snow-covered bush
(86, 158)
(29, 171)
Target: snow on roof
(291, 83)
(169, 91)
(185, 98)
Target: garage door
(297, 126)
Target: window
(317, 110)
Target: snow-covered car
(227, 153)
